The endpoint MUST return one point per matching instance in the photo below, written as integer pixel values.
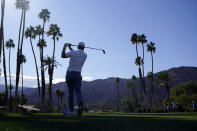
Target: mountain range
(103, 91)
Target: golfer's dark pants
(73, 80)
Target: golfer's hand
(69, 44)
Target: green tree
(53, 31)
(24, 6)
(9, 45)
(185, 92)
(31, 34)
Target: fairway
(99, 122)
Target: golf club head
(104, 52)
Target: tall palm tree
(9, 45)
(142, 40)
(45, 16)
(53, 31)
(22, 61)
(24, 6)
(61, 96)
(151, 48)
(117, 91)
(58, 94)
(134, 41)
(31, 34)
(2, 25)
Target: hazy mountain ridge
(104, 91)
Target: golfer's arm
(64, 53)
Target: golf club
(92, 48)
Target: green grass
(99, 122)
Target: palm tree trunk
(2, 23)
(143, 78)
(61, 99)
(118, 96)
(43, 80)
(43, 74)
(152, 90)
(37, 73)
(18, 63)
(141, 83)
(10, 80)
(168, 91)
(58, 99)
(5, 74)
(22, 87)
(51, 75)
(136, 50)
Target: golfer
(73, 75)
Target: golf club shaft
(90, 48)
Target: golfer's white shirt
(77, 60)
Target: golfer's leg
(71, 95)
(77, 87)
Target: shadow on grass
(56, 122)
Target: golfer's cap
(81, 44)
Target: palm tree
(24, 6)
(134, 41)
(142, 40)
(165, 77)
(31, 34)
(45, 16)
(54, 31)
(117, 91)
(151, 48)
(150, 76)
(22, 61)
(61, 96)
(138, 62)
(49, 64)
(58, 94)
(2, 25)
(9, 45)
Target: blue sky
(108, 24)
